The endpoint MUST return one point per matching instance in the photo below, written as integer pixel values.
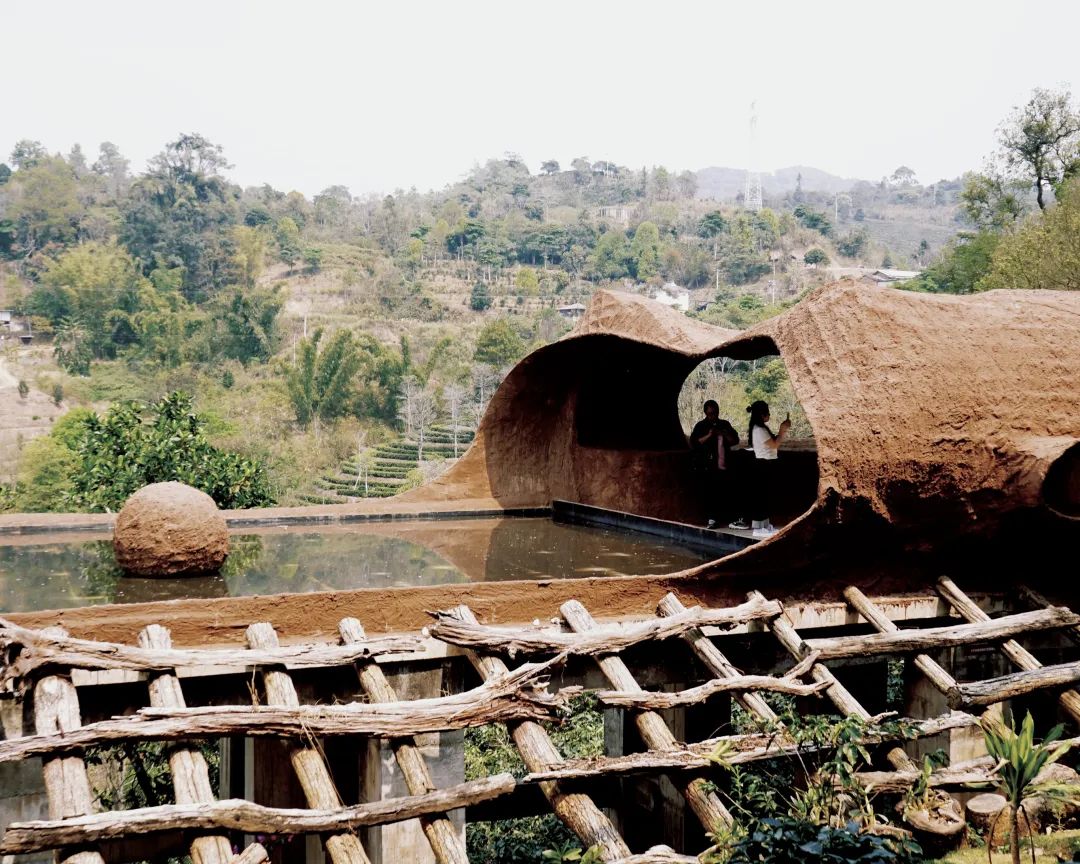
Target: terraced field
(385, 470)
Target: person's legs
(708, 496)
(758, 511)
(765, 486)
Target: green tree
(71, 347)
(243, 324)
(1041, 140)
(1044, 252)
(712, 225)
(287, 235)
(45, 476)
(250, 245)
(610, 258)
(179, 214)
(320, 383)
(44, 206)
(991, 201)
(549, 167)
(480, 298)
(132, 446)
(960, 266)
(113, 167)
(498, 344)
(645, 251)
(99, 286)
(813, 220)
(815, 256)
(527, 280)
(27, 154)
(854, 244)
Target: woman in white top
(765, 446)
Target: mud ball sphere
(170, 529)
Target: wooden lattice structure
(514, 665)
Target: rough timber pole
(56, 709)
(839, 694)
(191, 780)
(1069, 699)
(578, 811)
(716, 662)
(319, 789)
(654, 731)
(439, 830)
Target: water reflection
(38, 574)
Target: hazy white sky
(377, 95)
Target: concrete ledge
(719, 542)
(381, 510)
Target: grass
(1058, 846)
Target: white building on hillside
(891, 277)
(674, 296)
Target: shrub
(787, 840)
(122, 452)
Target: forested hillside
(307, 333)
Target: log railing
(38, 661)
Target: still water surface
(42, 574)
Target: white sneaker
(711, 523)
(740, 525)
(764, 532)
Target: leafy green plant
(572, 853)
(918, 796)
(790, 840)
(123, 451)
(489, 750)
(1020, 760)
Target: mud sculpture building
(946, 433)
(933, 414)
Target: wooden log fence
(56, 711)
(699, 794)
(511, 697)
(1069, 700)
(576, 810)
(34, 649)
(517, 698)
(737, 750)
(241, 815)
(441, 835)
(314, 776)
(932, 638)
(190, 775)
(602, 640)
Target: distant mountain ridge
(726, 183)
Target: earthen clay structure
(934, 416)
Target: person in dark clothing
(711, 441)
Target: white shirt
(761, 449)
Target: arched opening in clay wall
(746, 372)
(627, 397)
(1061, 488)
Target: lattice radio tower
(752, 195)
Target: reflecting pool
(53, 573)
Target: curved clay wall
(934, 415)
